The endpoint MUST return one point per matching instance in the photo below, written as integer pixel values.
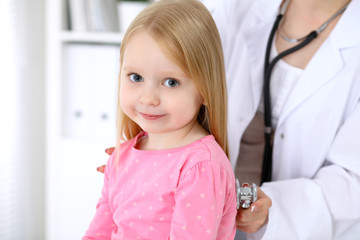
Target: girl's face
(155, 92)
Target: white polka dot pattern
(183, 193)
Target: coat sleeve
(327, 206)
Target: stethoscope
(247, 194)
(269, 66)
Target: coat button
(282, 136)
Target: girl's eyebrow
(129, 68)
(171, 73)
(163, 73)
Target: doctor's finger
(252, 223)
(101, 169)
(246, 216)
(257, 213)
(263, 202)
(110, 150)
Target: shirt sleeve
(205, 204)
(102, 224)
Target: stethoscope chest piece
(245, 194)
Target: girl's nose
(149, 97)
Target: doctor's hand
(109, 151)
(250, 220)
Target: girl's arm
(205, 204)
(102, 224)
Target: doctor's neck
(320, 5)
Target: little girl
(170, 178)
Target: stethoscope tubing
(269, 66)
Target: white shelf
(81, 74)
(91, 37)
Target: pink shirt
(182, 193)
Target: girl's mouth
(151, 116)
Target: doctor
(315, 115)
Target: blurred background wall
(22, 121)
(24, 177)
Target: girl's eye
(136, 77)
(171, 83)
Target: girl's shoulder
(206, 151)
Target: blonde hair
(186, 32)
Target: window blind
(10, 162)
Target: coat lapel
(327, 61)
(323, 67)
(319, 71)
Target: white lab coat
(316, 155)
